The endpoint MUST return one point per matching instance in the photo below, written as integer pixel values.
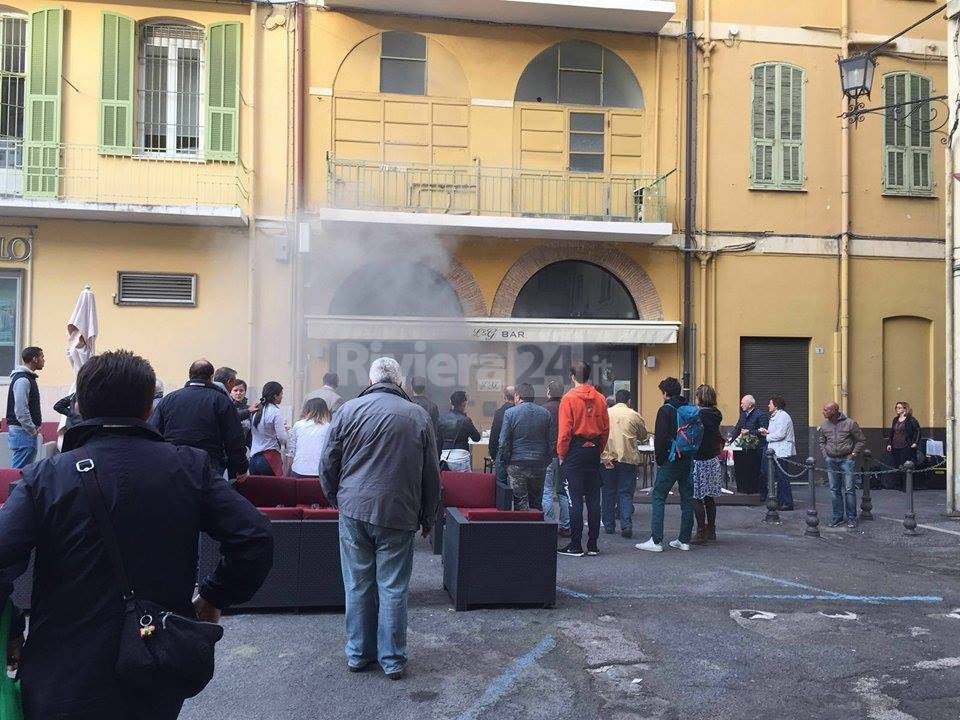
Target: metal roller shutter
(779, 366)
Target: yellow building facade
(486, 193)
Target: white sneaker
(649, 546)
(679, 545)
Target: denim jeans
(673, 473)
(552, 490)
(617, 485)
(376, 563)
(784, 491)
(842, 469)
(23, 447)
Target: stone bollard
(866, 501)
(910, 519)
(772, 504)
(813, 522)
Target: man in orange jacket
(584, 427)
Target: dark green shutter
(777, 126)
(42, 104)
(116, 84)
(223, 90)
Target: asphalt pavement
(765, 623)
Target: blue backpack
(689, 432)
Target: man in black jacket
(201, 415)
(419, 387)
(159, 497)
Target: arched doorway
(575, 290)
(396, 289)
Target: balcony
(646, 16)
(78, 182)
(502, 202)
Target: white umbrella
(82, 330)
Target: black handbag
(160, 652)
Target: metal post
(910, 519)
(772, 505)
(813, 522)
(866, 502)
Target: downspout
(296, 296)
(252, 224)
(707, 45)
(702, 319)
(953, 82)
(841, 389)
(691, 201)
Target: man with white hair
(380, 469)
(749, 463)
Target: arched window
(403, 63)
(13, 75)
(776, 127)
(572, 289)
(402, 289)
(578, 72)
(171, 92)
(906, 135)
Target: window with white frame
(403, 63)
(906, 135)
(776, 127)
(13, 75)
(171, 102)
(10, 319)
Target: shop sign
(495, 332)
(16, 249)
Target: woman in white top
(308, 438)
(780, 438)
(269, 433)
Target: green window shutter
(791, 82)
(921, 181)
(42, 104)
(223, 90)
(907, 156)
(763, 125)
(116, 84)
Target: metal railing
(79, 173)
(480, 190)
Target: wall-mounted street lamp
(856, 76)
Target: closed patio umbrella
(82, 330)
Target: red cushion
(282, 513)
(48, 431)
(265, 491)
(326, 513)
(4, 425)
(481, 514)
(7, 477)
(309, 492)
(469, 490)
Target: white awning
(487, 329)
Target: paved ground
(764, 624)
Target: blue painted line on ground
(784, 583)
(808, 597)
(503, 682)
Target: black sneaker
(610, 530)
(852, 524)
(836, 523)
(571, 551)
(626, 533)
(593, 552)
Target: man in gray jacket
(841, 442)
(380, 469)
(525, 448)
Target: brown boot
(701, 537)
(711, 531)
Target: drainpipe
(950, 272)
(691, 201)
(841, 389)
(704, 259)
(707, 45)
(296, 298)
(251, 71)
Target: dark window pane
(403, 45)
(586, 143)
(590, 122)
(581, 55)
(408, 77)
(572, 289)
(539, 81)
(586, 163)
(579, 88)
(620, 86)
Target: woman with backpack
(269, 433)
(707, 470)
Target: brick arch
(620, 265)
(460, 279)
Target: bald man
(841, 442)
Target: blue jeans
(617, 486)
(784, 491)
(838, 468)
(550, 494)
(376, 563)
(673, 473)
(23, 447)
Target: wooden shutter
(223, 90)
(42, 111)
(116, 84)
(791, 82)
(895, 134)
(919, 121)
(763, 125)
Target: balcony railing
(508, 192)
(80, 174)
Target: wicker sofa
(468, 490)
(306, 561)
